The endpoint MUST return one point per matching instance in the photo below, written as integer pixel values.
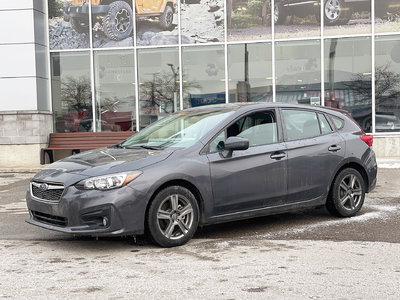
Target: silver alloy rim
(175, 217)
(332, 9)
(350, 192)
(122, 20)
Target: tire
(279, 14)
(80, 25)
(347, 194)
(336, 12)
(166, 18)
(173, 217)
(118, 23)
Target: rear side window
(339, 123)
(300, 124)
(323, 122)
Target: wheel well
(172, 6)
(357, 167)
(107, 2)
(184, 183)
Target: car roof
(248, 106)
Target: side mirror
(234, 143)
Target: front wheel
(118, 23)
(173, 217)
(279, 14)
(336, 12)
(347, 194)
(80, 25)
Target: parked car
(117, 17)
(336, 12)
(207, 165)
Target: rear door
(314, 150)
(252, 178)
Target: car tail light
(368, 139)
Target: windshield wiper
(143, 147)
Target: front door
(252, 178)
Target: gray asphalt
(307, 254)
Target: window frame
(279, 128)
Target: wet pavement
(307, 254)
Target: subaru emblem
(44, 187)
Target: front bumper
(94, 213)
(82, 11)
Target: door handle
(334, 148)
(278, 155)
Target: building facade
(107, 65)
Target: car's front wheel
(173, 217)
(347, 193)
(118, 23)
(336, 12)
(166, 18)
(279, 14)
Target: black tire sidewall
(76, 25)
(334, 202)
(152, 222)
(281, 15)
(164, 17)
(109, 25)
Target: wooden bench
(77, 141)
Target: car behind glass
(208, 165)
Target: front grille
(48, 192)
(49, 219)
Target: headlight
(107, 182)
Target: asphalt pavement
(303, 255)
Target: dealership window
(387, 84)
(248, 20)
(202, 22)
(115, 90)
(348, 77)
(347, 17)
(203, 75)
(298, 72)
(158, 83)
(297, 19)
(71, 91)
(250, 72)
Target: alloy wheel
(175, 216)
(332, 9)
(350, 192)
(122, 20)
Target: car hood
(100, 162)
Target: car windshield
(180, 130)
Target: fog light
(105, 221)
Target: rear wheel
(80, 25)
(173, 217)
(166, 18)
(336, 12)
(347, 194)
(118, 23)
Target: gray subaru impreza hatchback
(206, 165)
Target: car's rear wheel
(347, 193)
(166, 18)
(173, 217)
(336, 12)
(118, 23)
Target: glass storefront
(121, 65)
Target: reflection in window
(387, 16)
(347, 17)
(249, 20)
(115, 90)
(300, 124)
(158, 83)
(250, 72)
(298, 72)
(348, 77)
(71, 91)
(387, 84)
(203, 75)
(68, 27)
